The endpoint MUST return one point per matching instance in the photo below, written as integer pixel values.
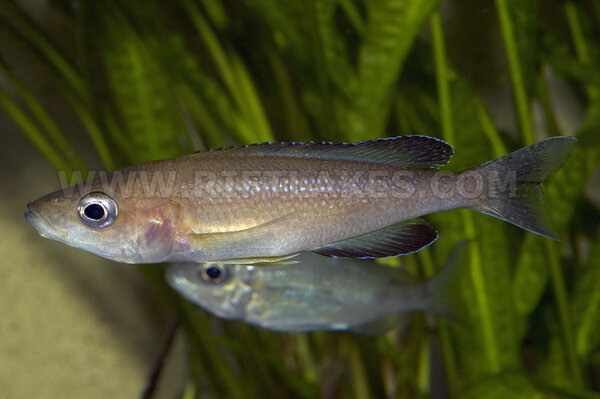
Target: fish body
(268, 201)
(318, 293)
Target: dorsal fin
(405, 151)
(398, 239)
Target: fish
(270, 201)
(319, 293)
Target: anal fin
(398, 239)
(265, 261)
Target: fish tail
(444, 289)
(514, 192)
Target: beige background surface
(72, 325)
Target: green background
(147, 80)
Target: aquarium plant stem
(560, 295)
(516, 73)
(580, 44)
(448, 135)
(27, 126)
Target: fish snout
(33, 210)
(44, 227)
(31, 215)
(171, 276)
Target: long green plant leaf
(390, 31)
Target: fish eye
(97, 210)
(213, 274)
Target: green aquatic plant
(151, 80)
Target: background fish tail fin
(444, 288)
(514, 192)
(382, 326)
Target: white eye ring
(97, 210)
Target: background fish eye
(97, 210)
(213, 274)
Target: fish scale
(317, 293)
(269, 201)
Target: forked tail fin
(514, 192)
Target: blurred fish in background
(317, 293)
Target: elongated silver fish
(268, 201)
(318, 293)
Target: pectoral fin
(398, 239)
(237, 247)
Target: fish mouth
(173, 278)
(42, 226)
(170, 277)
(34, 219)
(181, 284)
(29, 216)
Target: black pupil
(213, 273)
(94, 211)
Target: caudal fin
(514, 192)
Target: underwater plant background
(150, 80)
